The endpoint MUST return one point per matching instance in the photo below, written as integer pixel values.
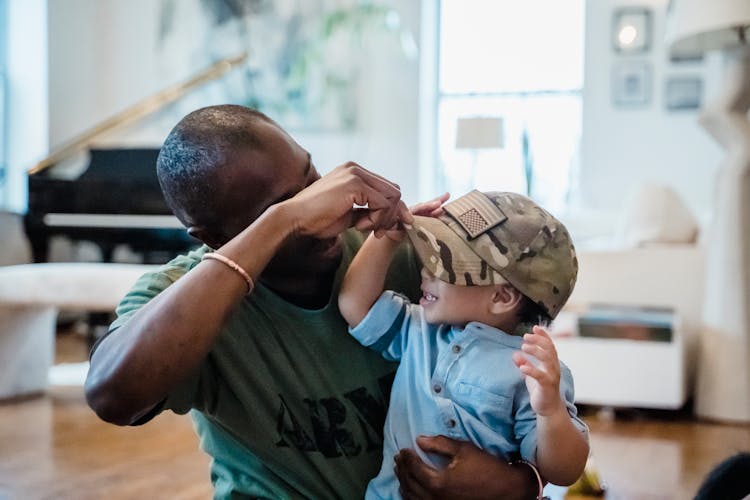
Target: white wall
(26, 96)
(387, 140)
(101, 60)
(622, 148)
(104, 56)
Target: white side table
(627, 373)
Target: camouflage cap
(490, 238)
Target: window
(3, 58)
(522, 63)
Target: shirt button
(451, 423)
(437, 388)
(456, 349)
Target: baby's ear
(505, 298)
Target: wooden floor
(54, 447)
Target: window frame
(3, 102)
(432, 175)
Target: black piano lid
(117, 182)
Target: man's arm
(471, 473)
(135, 367)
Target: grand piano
(117, 199)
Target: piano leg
(39, 249)
(107, 251)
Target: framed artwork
(306, 65)
(683, 93)
(631, 30)
(631, 84)
(696, 58)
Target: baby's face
(456, 305)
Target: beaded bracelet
(540, 496)
(232, 265)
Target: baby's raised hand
(431, 208)
(542, 379)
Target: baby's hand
(542, 380)
(432, 208)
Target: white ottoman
(31, 296)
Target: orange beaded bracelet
(232, 265)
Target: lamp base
(723, 380)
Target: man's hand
(431, 208)
(326, 207)
(470, 474)
(542, 380)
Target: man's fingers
(418, 477)
(366, 220)
(387, 188)
(409, 487)
(348, 196)
(439, 444)
(403, 213)
(380, 220)
(361, 194)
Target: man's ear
(207, 236)
(505, 298)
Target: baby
(494, 265)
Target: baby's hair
(529, 314)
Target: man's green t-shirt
(287, 403)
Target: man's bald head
(196, 152)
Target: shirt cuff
(379, 318)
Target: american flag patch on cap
(475, 213)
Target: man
(245, 331)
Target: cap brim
(447, 255)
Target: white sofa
(31, 295)
(633, 373)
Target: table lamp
(476, 133)
(723, 378)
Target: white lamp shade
(479, 133)
(696, 26)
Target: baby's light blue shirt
(457, 382)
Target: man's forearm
(136, 366)
(471, 473)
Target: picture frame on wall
(631, 30)
(683, 93)
(631, 84)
